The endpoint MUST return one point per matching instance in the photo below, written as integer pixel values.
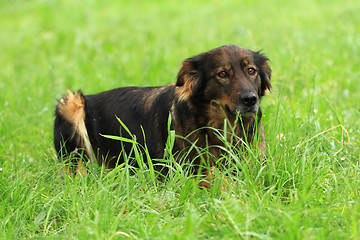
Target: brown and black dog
(223, 83)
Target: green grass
(310, 186)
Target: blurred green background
(47, 47)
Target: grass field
(310, 186)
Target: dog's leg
(210, 177)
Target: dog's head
(228, 79)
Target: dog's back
(79, 121)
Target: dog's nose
(248, 99)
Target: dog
(212, 88)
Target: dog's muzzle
(247, 105)
(249, 99)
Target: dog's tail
(72, 109)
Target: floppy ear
(265, 75)
(189, 78)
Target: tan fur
(72, 108)
(217, 115)
(184, 92)
(187, 79)
(267, 69)
(152, 95)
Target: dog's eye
(222, 74)
(251, 71)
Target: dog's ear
(189, 78)
(265, 74)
